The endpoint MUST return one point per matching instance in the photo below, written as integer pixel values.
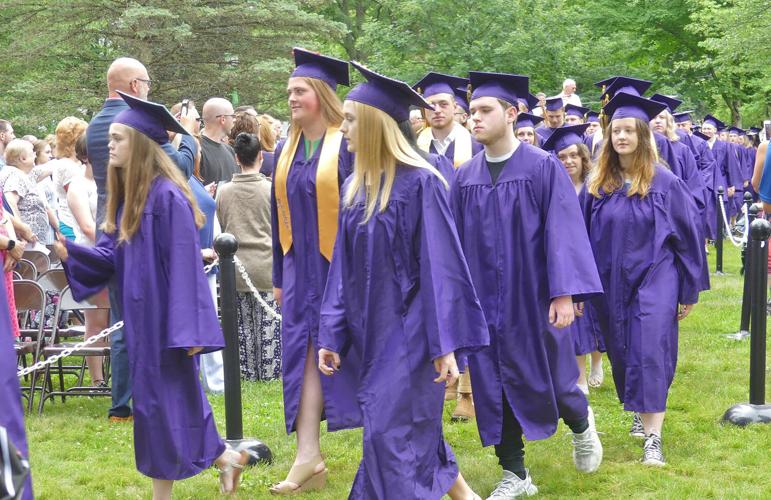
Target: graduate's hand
(684, 310)
(60, 249)
(730, 191)
(277, 295)
(447, 368)
(329, 361)
(194, 350)
(578, 309)
(561, 312)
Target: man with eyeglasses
(217, 157)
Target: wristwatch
(11, 245)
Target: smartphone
(767, 128)
(185, 106)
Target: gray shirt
(218, 161)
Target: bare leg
(581, 360)
(96, 321)
(653, 422)
(162, 489)
(596, 375)
(460, 490)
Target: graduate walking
(646, 236)
(399, 298)
(151, 247)
(520, 227)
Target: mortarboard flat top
(565, 137)
(753, 131)
(149, 118)
(498, 85)
(735, 130)
(711, 120)
(625, 105)
(329, 70)
(573, 110)
(527, 120)
(438, 83)
(592, 117)
(461, 97)
(671, 102)
(605, 82)
(627, 85)
(684, 116)
(391, 96)
(530, 101)
(554, 104)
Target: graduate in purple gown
(644, 229)
(11, 412)
(443, 135)
(553, 117)
(399, 298)
(151, 247)
(727, 171)
(567, 145)
(311, 165)
(575, 115)
(520, 227)
(525, 129)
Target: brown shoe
(301, 478)
(114, 419)
(464, 410)
(451, 392)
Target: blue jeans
(119, 365)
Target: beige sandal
(233, 468)
(302, 477)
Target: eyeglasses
(232, 116)
(147, 82)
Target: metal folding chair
(26, 269)
(39, 259)
(29, 298)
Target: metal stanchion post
(744, 321)
(719, 232)
(756, 411)
(226, 245)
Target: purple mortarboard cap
(625, 105)
(700, 135)
(753, 131)
(498, 85)
(684, 116)
(592, 117)
(149, 118)
(742, 133)
(438, 83)
(461, 97)
(573, 110)
(554, 104)
(527, 120)
(565, 137)
(329, 70)
(671, 102)
(393, 97)
(530, 101)
(605, 82)
(736, 130)
(625, 84)
(711, 120)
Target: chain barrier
(745, 234)
(254, 291)
(207, 269)
(53, 359)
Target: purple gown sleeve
(191, 317)
(569, 260)
(687, 242)
(334, 334)
(89, 269)
(733, 172)
(453, 315)
(278, 253)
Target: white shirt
(570, 99)
(441, 145)
(504, 157)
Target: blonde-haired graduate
(399, 298)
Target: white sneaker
(511, 486)
(587, 448)
(652, 451)
(584, 388)
(637, 429)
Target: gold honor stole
(327, 191)
(462, 143)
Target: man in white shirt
(568, 94)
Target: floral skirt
(259, 338)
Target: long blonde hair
(380, 145)
(129, 185)
(608, 175)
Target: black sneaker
(637, 430)
(652, 451)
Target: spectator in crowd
(42, 173)
(568, 93)
(538, 109)
(761, 178)
(245, 110)
(81, 202)
(30, 139)
(243, 208)
(246, 123)
(268, 138)
(65, 168)
(417, 121)
(9, 256)
(20, 191)
(43, 152)
(6, 136)
(217, 157)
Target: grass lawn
(76, 454)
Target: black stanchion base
(740, 335)
(744, 414)
(257, 450)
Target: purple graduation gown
(648, 254)
(705, 163)
(400, 295)
(586, 333)
(728, 166)
(11, 410)
(544, 132)
(449, 153)
(167, 308)
(525, 245)
(302, 275)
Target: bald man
(130, 76)
(568, 93)
(218, 160)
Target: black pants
(511, 450)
